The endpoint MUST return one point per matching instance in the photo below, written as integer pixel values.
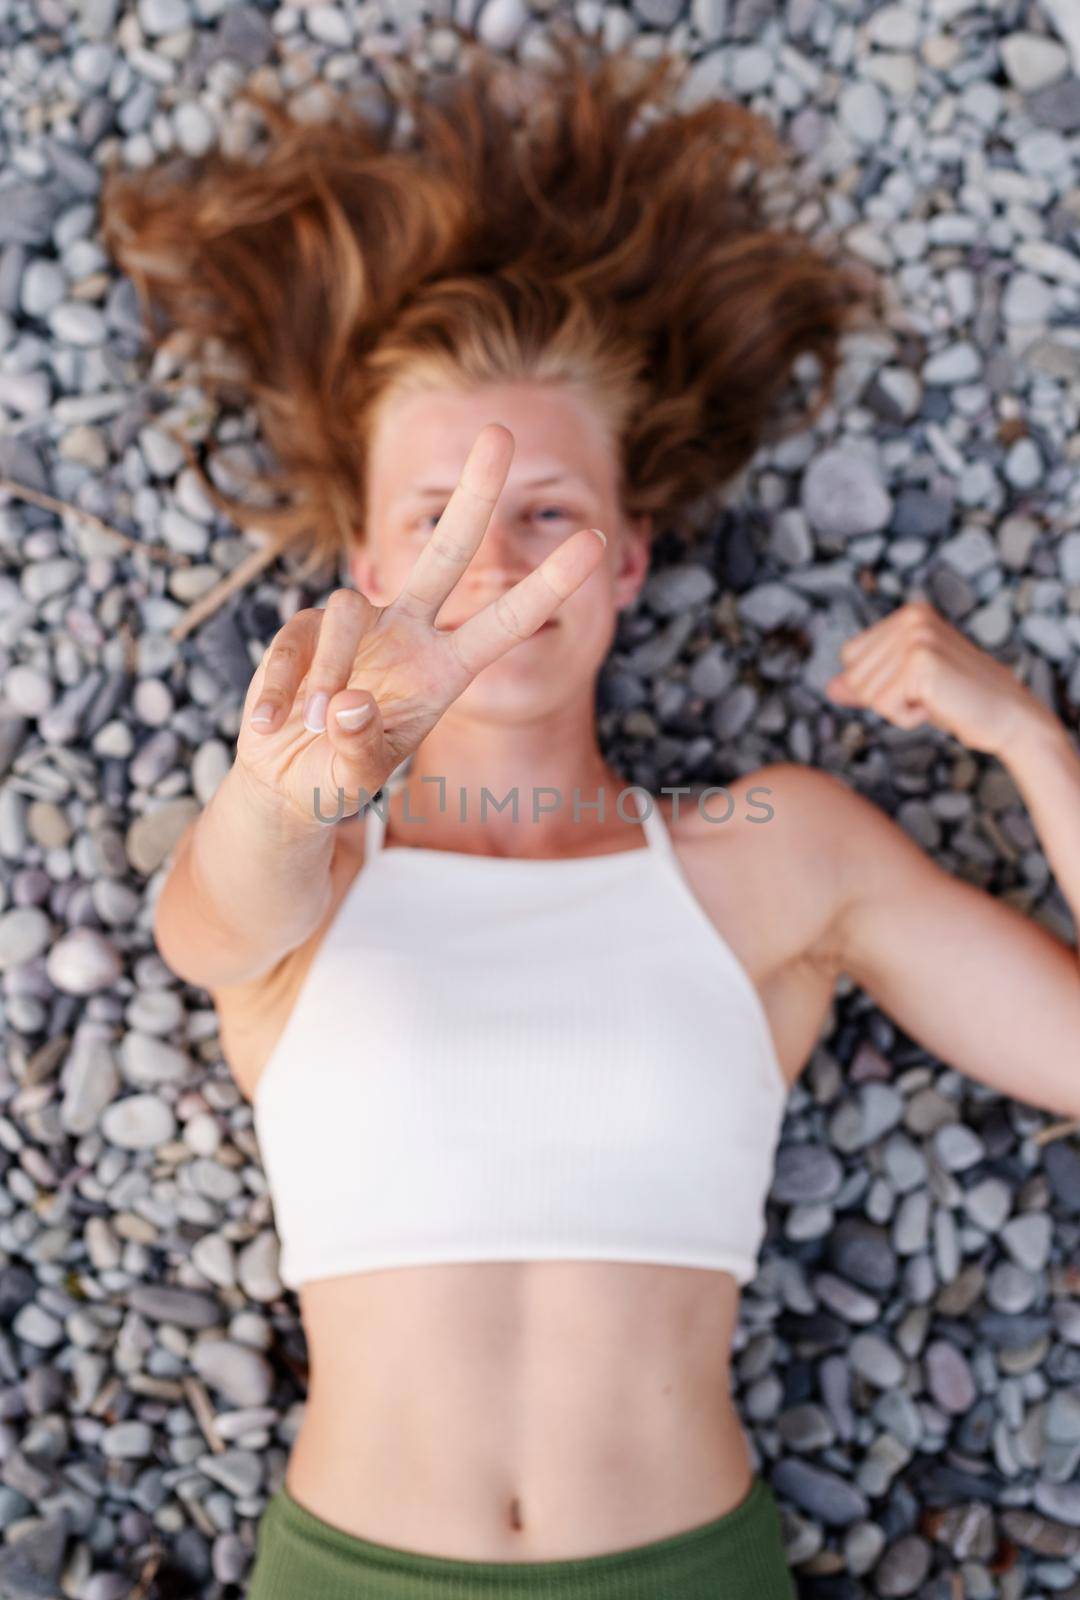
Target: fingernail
(353, 717)
(599, 535)
(264, 712)
(315, 712)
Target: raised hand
(387, 672)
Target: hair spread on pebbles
(561, 223)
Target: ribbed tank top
(494, 1058)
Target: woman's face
(562, 477)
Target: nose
(501, 558)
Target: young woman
(519, 1064)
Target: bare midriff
(517, 1411)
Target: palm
(413, 671)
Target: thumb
(354, 729)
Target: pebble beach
(908, 1357)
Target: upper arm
(982, 986)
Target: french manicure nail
(601, 536)
(315, 712)
(264, 712)
(353, 717)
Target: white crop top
(500, 1059)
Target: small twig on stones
(159, 552)
(199, 1401)
(1057, 1130)
(147, 1575)
(238, 578)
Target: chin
(517, 690)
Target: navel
(516, 1519)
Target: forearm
(1044, 763)
(251, 885)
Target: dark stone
(17, 1286)
(1061, 1163)
(920, 515)
(825, 1495)
(1057, 105)
(224, 651)
(860, 1251)
(31, 1564)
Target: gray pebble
(241, 1375)
(1028, 1239)
(842, 494)
(824, 1495)
(147, 1061)
(24, 934)
(91, 1082)
(138, 1122)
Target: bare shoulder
(804, 806)
(768, 839)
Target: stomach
(517, 1411)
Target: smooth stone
(148, 1061)
(948, 1377)
(842, 494)
(83, 961)
(184, 1307)
(128, 1441)
(958, 363)
(958, 1147)
(32, 1559)
(825, 1495)
(243, 1376)
(903, 1568)
(24, 934)
(257, 1268)
(239, 1471)
(28, 691)
(138, 1122)
(1028, 1239)
(91, 1082)
(153, 835)
(37, 1327)
(1032, 61)
(678, 588)
(876, 1360)
(805, 1173)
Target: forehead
(421, 440)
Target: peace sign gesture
(384, 675)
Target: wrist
(1035, 732)
(257, 804)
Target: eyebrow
(533, 483)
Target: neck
(564, 789)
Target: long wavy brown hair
(561, 223)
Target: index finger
(461, 527)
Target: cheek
(592, 605)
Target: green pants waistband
(738, 1556)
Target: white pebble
(82, 961)
(138, 1122)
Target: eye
(427, 522)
